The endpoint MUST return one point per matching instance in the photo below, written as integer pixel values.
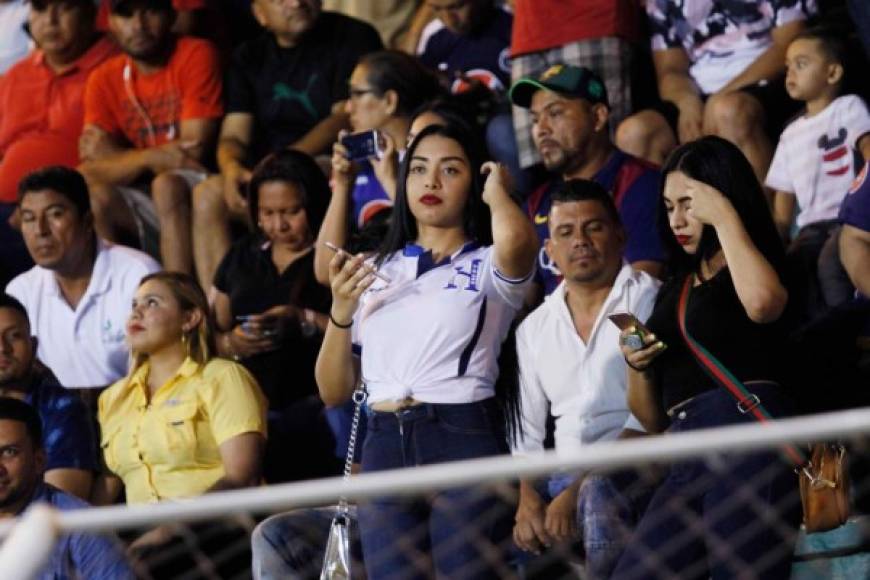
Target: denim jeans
(722, 516)
(454, 533)
(291, 546)
(608, 508)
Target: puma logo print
(284, 92)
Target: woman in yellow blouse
(181, 423)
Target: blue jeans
(608, 508)
(722, 516)
(453, 533)
(292, 545)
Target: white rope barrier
(606, 455)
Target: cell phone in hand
(267, 328)
(338, 250)
(625, 320)
(363, 145)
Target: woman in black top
(270, 311)
(737, 515)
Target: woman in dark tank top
(722, 242)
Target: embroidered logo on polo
(110, 334)
(284, 92)
(469, 277)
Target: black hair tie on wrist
(338, 324)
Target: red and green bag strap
(747, 402)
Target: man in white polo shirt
(570, 362)
(79, 293)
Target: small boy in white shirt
(819, 153)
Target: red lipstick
(430, 199)
(683, 240)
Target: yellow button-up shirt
(168, 448)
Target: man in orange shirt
(42, 109)
(151, 119)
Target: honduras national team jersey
(435, 330)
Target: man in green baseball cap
(565, 79)
(570, 117)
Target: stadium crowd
(220, 218)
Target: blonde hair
(200, 339)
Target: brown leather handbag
(824, 485)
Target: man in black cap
(570, 116)
(151, 118)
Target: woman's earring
(185, 341)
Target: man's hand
(95, 143)
(559, 520)
(690, 125)
(530, 531)
(236, 178)
(174, 155)
(152, 538)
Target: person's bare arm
(319, 139)
(337, 369)
(410, 39)
(334, 226)
(73, 481)
(106, 489)
(677, 86)
(232, 150)
(863, 145)
(784, 205)
(241, 457)
(514, 241)
(771, 63)
(117, 165)
(855, 255)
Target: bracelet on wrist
(338, 324)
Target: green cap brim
(521, 92)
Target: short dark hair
(16, 410)
(127, 7)
(7, 301)
(585, 190)
(831, 41)
(300, 169)
(64, 180)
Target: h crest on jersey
(467, 277)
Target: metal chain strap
(359, 398)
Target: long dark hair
(476, 216)
(719, 163)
